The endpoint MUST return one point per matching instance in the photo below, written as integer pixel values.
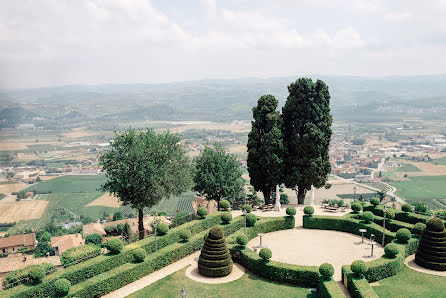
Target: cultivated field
(23, 210)
(70, 184)
(12, 187)
(430, 168)
(46, 178)
(107, 200)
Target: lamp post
(244, 215)
(183, 293)
(384, 226)
(354, 193)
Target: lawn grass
(411, 283)
(70, 184)
(430, 190)
(406, 167)
(249, 285)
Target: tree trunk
(141, 223)
(218, 204)
(267, 195)
(301, 195)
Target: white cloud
(397, 16)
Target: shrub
(406, 207)
(78, 253)
(35, 275)
(418, 228)
(251, 220)
(185, 235)
(215, 260)
(359, 267)
(162, 229)
(291, 211)
(45, 237)
(62, 287)
(242, 240)
(326, 270)
(435, 224)
(181, 218)
(111, 230)
(265, 254)
(391, 250)
(431, 252)
(95, 239)
(390, 213)
(226, 217)
(403, 235)
(248, 208)
(202, 212)
(356, 207)
(114, 245)
(224, 204)
(308, 210)
(139, 255)
(16, 277)
(367, 216)
(374, 201)
(341, 203)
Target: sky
(64, 42)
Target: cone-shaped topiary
(215, 259)
(431, 253)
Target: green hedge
(329, 288)
(103, 263)
(78, 253)
(357, 286)
(408, 217)
(348, 224)
(20, 276)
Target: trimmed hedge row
(103, 263)
(329, 288)
(348, 224)
(357, 286)
(20, 276)
(79, 252)
(127, 273)
(392, 225)
(408, 217)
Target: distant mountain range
(356, 99)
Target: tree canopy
(142, 167)
(265, 147)
(306, 134)
(218, 175)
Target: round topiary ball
(265, 254)
(242, 240)
(291, 211)
(139, 255)
(418, 228)
(435, 224)
(226, 217)
(224, 204)
(406, 207)
(391, 250)
(215, 233)
(326, 270)
(185, 235)
(359, 267)
(36, 275)
(202, 212)
(114, 245)
(248, 208)
(251, 220)
(62, 287)
(162, 229)
(308, 210)
(367, 216)
(403, 235)
(356, 207)
(374, 201)
(390, 213)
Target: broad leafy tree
(143, 167)
(306, 134)
(265, 147)
(218, 175)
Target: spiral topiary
(265, 254)
(309, 210)
(291, 211)
(326, 270)
(242, 240)
(215, 259)
(418, 228)
(359, 267)
(139, 255)
(62, 287)
(202, 212)
(406, 207)
(403, 235)
(367, 216)
(356, 207)
(226, 217)
(431, 252)
(251, 220)
(391, 250)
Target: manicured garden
(249, 285)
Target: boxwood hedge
(79, 253)
(329, 288)
(408, 217)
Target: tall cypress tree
(306, 133)
(265, 147)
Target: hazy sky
(139, 41)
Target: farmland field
(70, 184)
(406, 167)
(428, 189)
(23, 210)
(12, 187)
(440, 161)
(106, 200)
